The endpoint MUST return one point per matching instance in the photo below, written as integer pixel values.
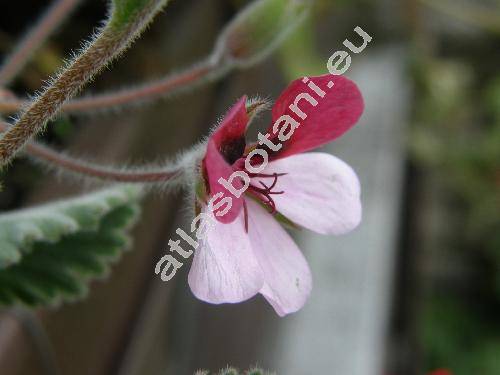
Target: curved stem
(52, 18)
(92, 170)
(54, 158)
(156, 89)
(152, 90)
(114, 38)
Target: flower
(243, 249)
(441, 372)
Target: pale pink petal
(321, 192)
(286, 272)
(224, 268)
(339, 109)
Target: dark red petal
(335, 113)
(215, 168)
(229, 137)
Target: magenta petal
(226, 145)
(339, 109)
(287, 278)
(321, 192)
(216, 167)
(224, 268)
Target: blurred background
(414, 289)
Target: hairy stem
(84, 168)
(242, 43)
(113, 39)
(25, 49)
(138, 94)
(80, 167)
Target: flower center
(233, 150)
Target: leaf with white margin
(49, 253)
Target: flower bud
(259, 29)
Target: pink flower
(441, 372)
(243, 249)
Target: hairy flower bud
(259, 29)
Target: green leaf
(49, 253)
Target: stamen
(245, 213)
(267, 175)
(264, 193)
